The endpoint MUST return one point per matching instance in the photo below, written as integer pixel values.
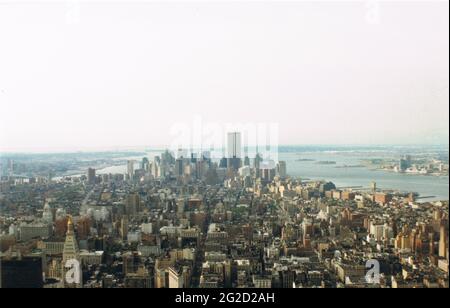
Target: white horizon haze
(81, 75)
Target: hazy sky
(120, 74)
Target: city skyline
(158, 148)
(220, 151)
(188, 222)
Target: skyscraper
(47, 214)
(124, 228)
(234, 145)
(247, 161)
(21, 272)
(206, 155)
(234, 150)
(179, 167)
(282, 169)
(11, 167)
(268, 171)
(156, 167)
(132, 205)
(373, 185)
(223, 163)
(443, 241)
(71, 253)
(145, 163)
(91, 176)
(130, 169)
(403, 165)
(167, 158)
(257, 165)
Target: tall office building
(167, 158)
(21, 272)
(179, 167)
(373, 186)
(194, 158)
(234, 150)
(133, 204)
(47, 214)
(268, 174)
(206, 156)
(145, 164)
(234, 145)
(11, 167)
(408, 159)
(282, 169)
(91, 175)
(124, 228)
(181, 153)
(257, 165)
(247, 161)
(130, 169)
(268, 171)
(71, 252)
(201, 168)
(403, 164)
(223, 163)
(443, 242)
(156, 167)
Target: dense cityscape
(188, 220)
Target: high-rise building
(130, 169)
(133, 203)
(326, 186)
(21, 272)
(181, 153)
(91, 175)
(268, 171)
(83, 227)
(124, 228)
(194, 158)
(47, 214)
(404, 164)
(71, 253)
(11, 167)
(234, 150)
(245, 171)
(178, 276)
(145, 164)
(257, 165)
(163, 170)
(206, 156)
(234, 145)
(443, 242)
(156, 167)
(179, 167)
(167, 158)
(409, 162)
(223, 163)
(282, 169)
(246, 161)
